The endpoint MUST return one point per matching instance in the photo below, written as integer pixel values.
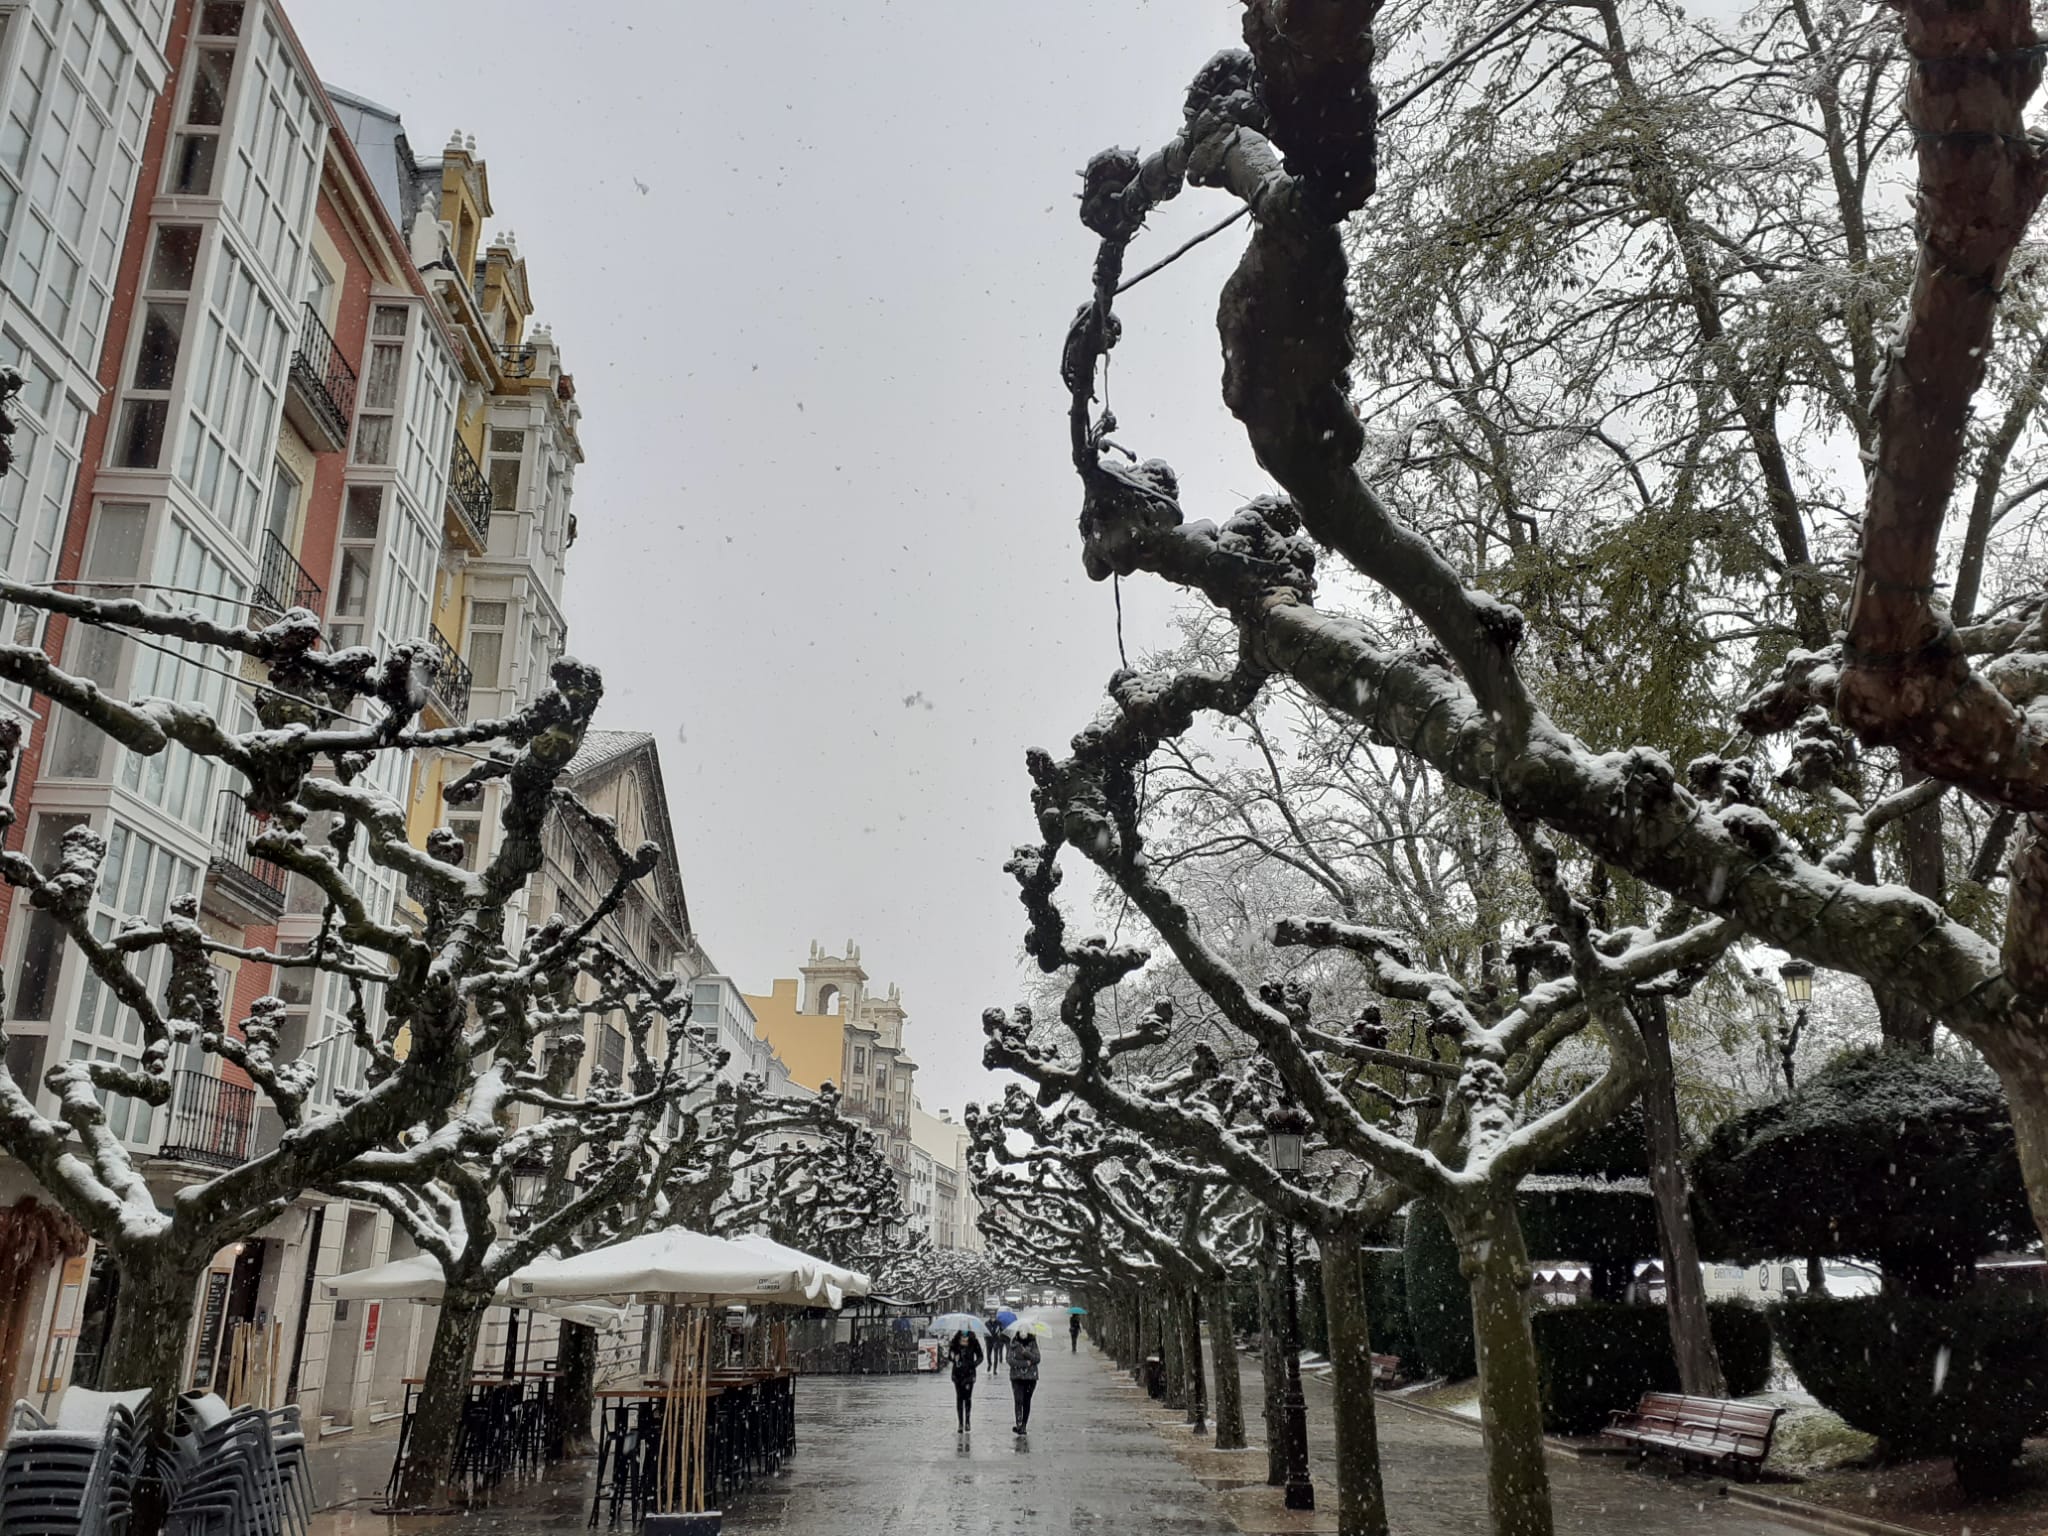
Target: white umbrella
(851, 1282)
(678, 1265)
(420, 1279)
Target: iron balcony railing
(326, 377)
(281, 582)
(517, 362)
(450, 682)
(212, 1122)
(470, 492)
(255, 880)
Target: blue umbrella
(1078, 1311)
(1005, 1317)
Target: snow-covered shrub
(1964, 1377)
(1885, 1155)
(1598, 1359)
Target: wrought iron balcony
(449, 684)
(517, 362)
(469, 493)
(281, 583)
(246, 886)
(322, 397)
(212, 1122)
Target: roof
(601, 749)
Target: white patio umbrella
(419, 1278)
(851, 1282)
(678, 1265)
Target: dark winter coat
(1024, 1358)
(966, 1358)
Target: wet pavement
(878, 1454)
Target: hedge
(1885, 1155)
(1439, 1305)
(1599, 1358)
(1964, 1377)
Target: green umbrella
(1078, 1311)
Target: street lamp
(1798, 978)
(1285, 1127)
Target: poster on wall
(69, 1315)
(211, 1313)
(370, 1326)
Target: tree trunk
(1173, 1348)
(1229, 1385)
(1907, 1026)
(1496, 1267)
(427, 1480)
(1685, 1293)
(574, 1397)
(1361, 1500)
(1190, 1309)
(1272, 1356)
(152, 1328)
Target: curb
(1578, 1450)
(1817, 1517)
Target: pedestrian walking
(997, 1344)
(1023, 1378)
(964, 1354)
(1074, 1333)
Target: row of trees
(1617, 402)
(470, 1119)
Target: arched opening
(828, 998)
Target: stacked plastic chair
(239, 1472)
(76, 1475)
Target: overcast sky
(811, 262)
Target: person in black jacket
(996, 1345)
(964, 1354)
(1073, 1333)
(1023, 1378)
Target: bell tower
(834, 983)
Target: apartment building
(271, 363)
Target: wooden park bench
(1386, 1370)
(1730, 1437)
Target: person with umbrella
(1023, 1376)
(998, 1343)
(964, 1354)
(1074, 1331)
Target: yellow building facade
(811, 1045)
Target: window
(241, 351)
(284, 510)
(42, 955)
(319, 288)
(486, 644)
(355, 569)
(507, 451)
(195, 154)
(377, 400)
(78, 750)
(611, 1052)
(860, 1058)
(167, 288)
(471, 830)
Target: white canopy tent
(678, 1265)
(420, 1279)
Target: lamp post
(1284, 1129)
(1798, 978)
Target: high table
(750, 1425)
(504, 1427)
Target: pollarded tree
(427, 1006)
(453, 1186)
(1289, 131)
(1197, 1228)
